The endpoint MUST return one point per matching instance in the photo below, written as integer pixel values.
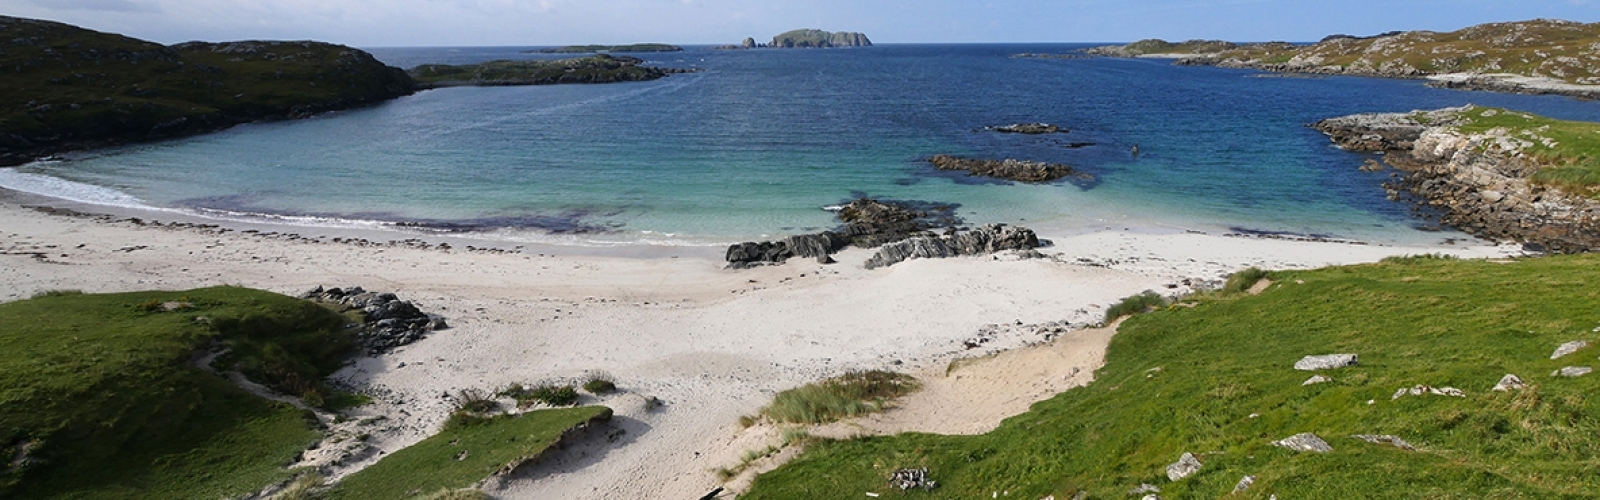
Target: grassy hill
(67, 88)
(1217, 380)
(1563, 50)
(100, 396)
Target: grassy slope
(1563, 50)
(1571, 160)
(66, 87)
(1416, 321)
(102, 387)
(594, 69)
(438, 463)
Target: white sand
(713, 344)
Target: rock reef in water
(1481, 182)
(1008, 169)
(1028, 129)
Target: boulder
(1572, 371)
(1419, 390)
(1316, 379)
(1144, 489)
(1186, 466)
(1509, 382)
(1386, 439)
(1244, 484)
(985, 240)
(1569, 348)
(1325, 362)
(1304, 441)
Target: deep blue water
(756, 143)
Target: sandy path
(713, 344)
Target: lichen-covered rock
(1304, 441)
(1419, 390)
(1386, 439)
(1244, 484)
(1509, 382)
(1316, 379)
(1186, 466)
(1569, 348)
(1572, 371)
(1325, 362)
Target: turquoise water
(757, 143)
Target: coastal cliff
(1497, 174)
(1531, 57)
(805, 38)
(68, 88)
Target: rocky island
(806, 38)
(599, 68)
(595, 49)
(1498, 174)
(1008, 169)
(68, 88)
(1541, 56)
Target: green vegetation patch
(460, 457)
(100, 397)
(593, 69)
(1217, 380)
(844, 396)
(1569, 151)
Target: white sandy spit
(713, 344)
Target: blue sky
(375, 23)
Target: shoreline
(713, 344)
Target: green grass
(844, 396)
(461, 457)
(548, 393)
(1135, 304)
(1570, 162)
(1242, 281)
(1413, 321)
(100, 392)
(600, 384)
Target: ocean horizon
(759, 143)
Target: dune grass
(844, 396)
(1135, 304)
(1227, 388)
(458, 458)
(99, 399)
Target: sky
(410, 23)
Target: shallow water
(759, 141)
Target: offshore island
(162, 359)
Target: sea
(762, 143)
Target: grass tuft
(598, 384)
(548, 393)
(848, 395)
(1241, 282)
(1134, 305)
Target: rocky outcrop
(867, 223)
(387, 321)
(1479, 182)
(1325, 362)
(981, 241)
(1304, 442)
(1028, 129)
(1186, 466)
(1008, 169)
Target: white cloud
(99, 5)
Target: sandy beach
(712, 344)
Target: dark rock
(1009, 169)
(388, 321)
(1029, 129)
(985, 240)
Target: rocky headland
(1009, 169)
(1493, 173)
(903, 229)
(68, 88)
(599, 68)
(1541, 56)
